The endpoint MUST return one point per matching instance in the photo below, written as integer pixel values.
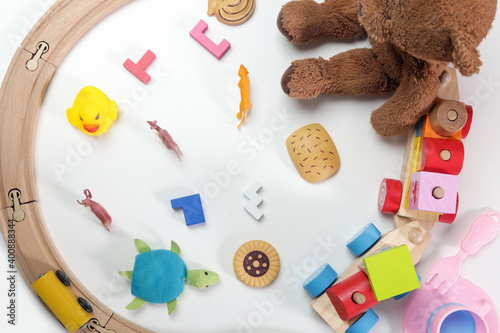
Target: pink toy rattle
(448, 303)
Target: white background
(195, 97)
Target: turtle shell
(159, 276)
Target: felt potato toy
(412, 41)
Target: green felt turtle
(159, 276)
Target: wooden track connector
(95, 326)
(41, 48)
(18, 214)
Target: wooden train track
(21, 96)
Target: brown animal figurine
(166, 138)
(413, 41)
(99, 211)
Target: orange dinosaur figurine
(244, 85)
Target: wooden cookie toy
(313, 153)
(232, 12)
(256, 263)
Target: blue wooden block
(193, 210)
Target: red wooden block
(352, 296)
(442, 155)
(139, 69)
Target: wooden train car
(428, 186)
(433, 159)
(54, 290)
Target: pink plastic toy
(198, 33)
(446, 271)
(452, 304)
(97, 209)
(139, 69)
(166, 138)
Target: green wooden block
(391, 272)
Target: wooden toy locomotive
(426, 193)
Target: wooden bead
(415, 235)
(352, 296)
(442, 155)
(448, 117)
(445, 155)
(358, 298)
(438, 192)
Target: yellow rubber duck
(92, 111)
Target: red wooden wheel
(389, 195)
(449, 218)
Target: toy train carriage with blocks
(434, 147)
(434, 155)
(53, 289)
(345, 302)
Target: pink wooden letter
(198, 33)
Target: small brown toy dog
(413, 41)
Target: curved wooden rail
(21, 96)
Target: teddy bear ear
(465, 56)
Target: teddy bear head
(431, 30)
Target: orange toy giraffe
(245, 104)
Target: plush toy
(159, 276)
(413, 41)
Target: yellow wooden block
(391, 272)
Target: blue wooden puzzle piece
(193, 210)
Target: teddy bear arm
(412, 99)
(354, 72)
(306, 20)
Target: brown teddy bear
(413, 41)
